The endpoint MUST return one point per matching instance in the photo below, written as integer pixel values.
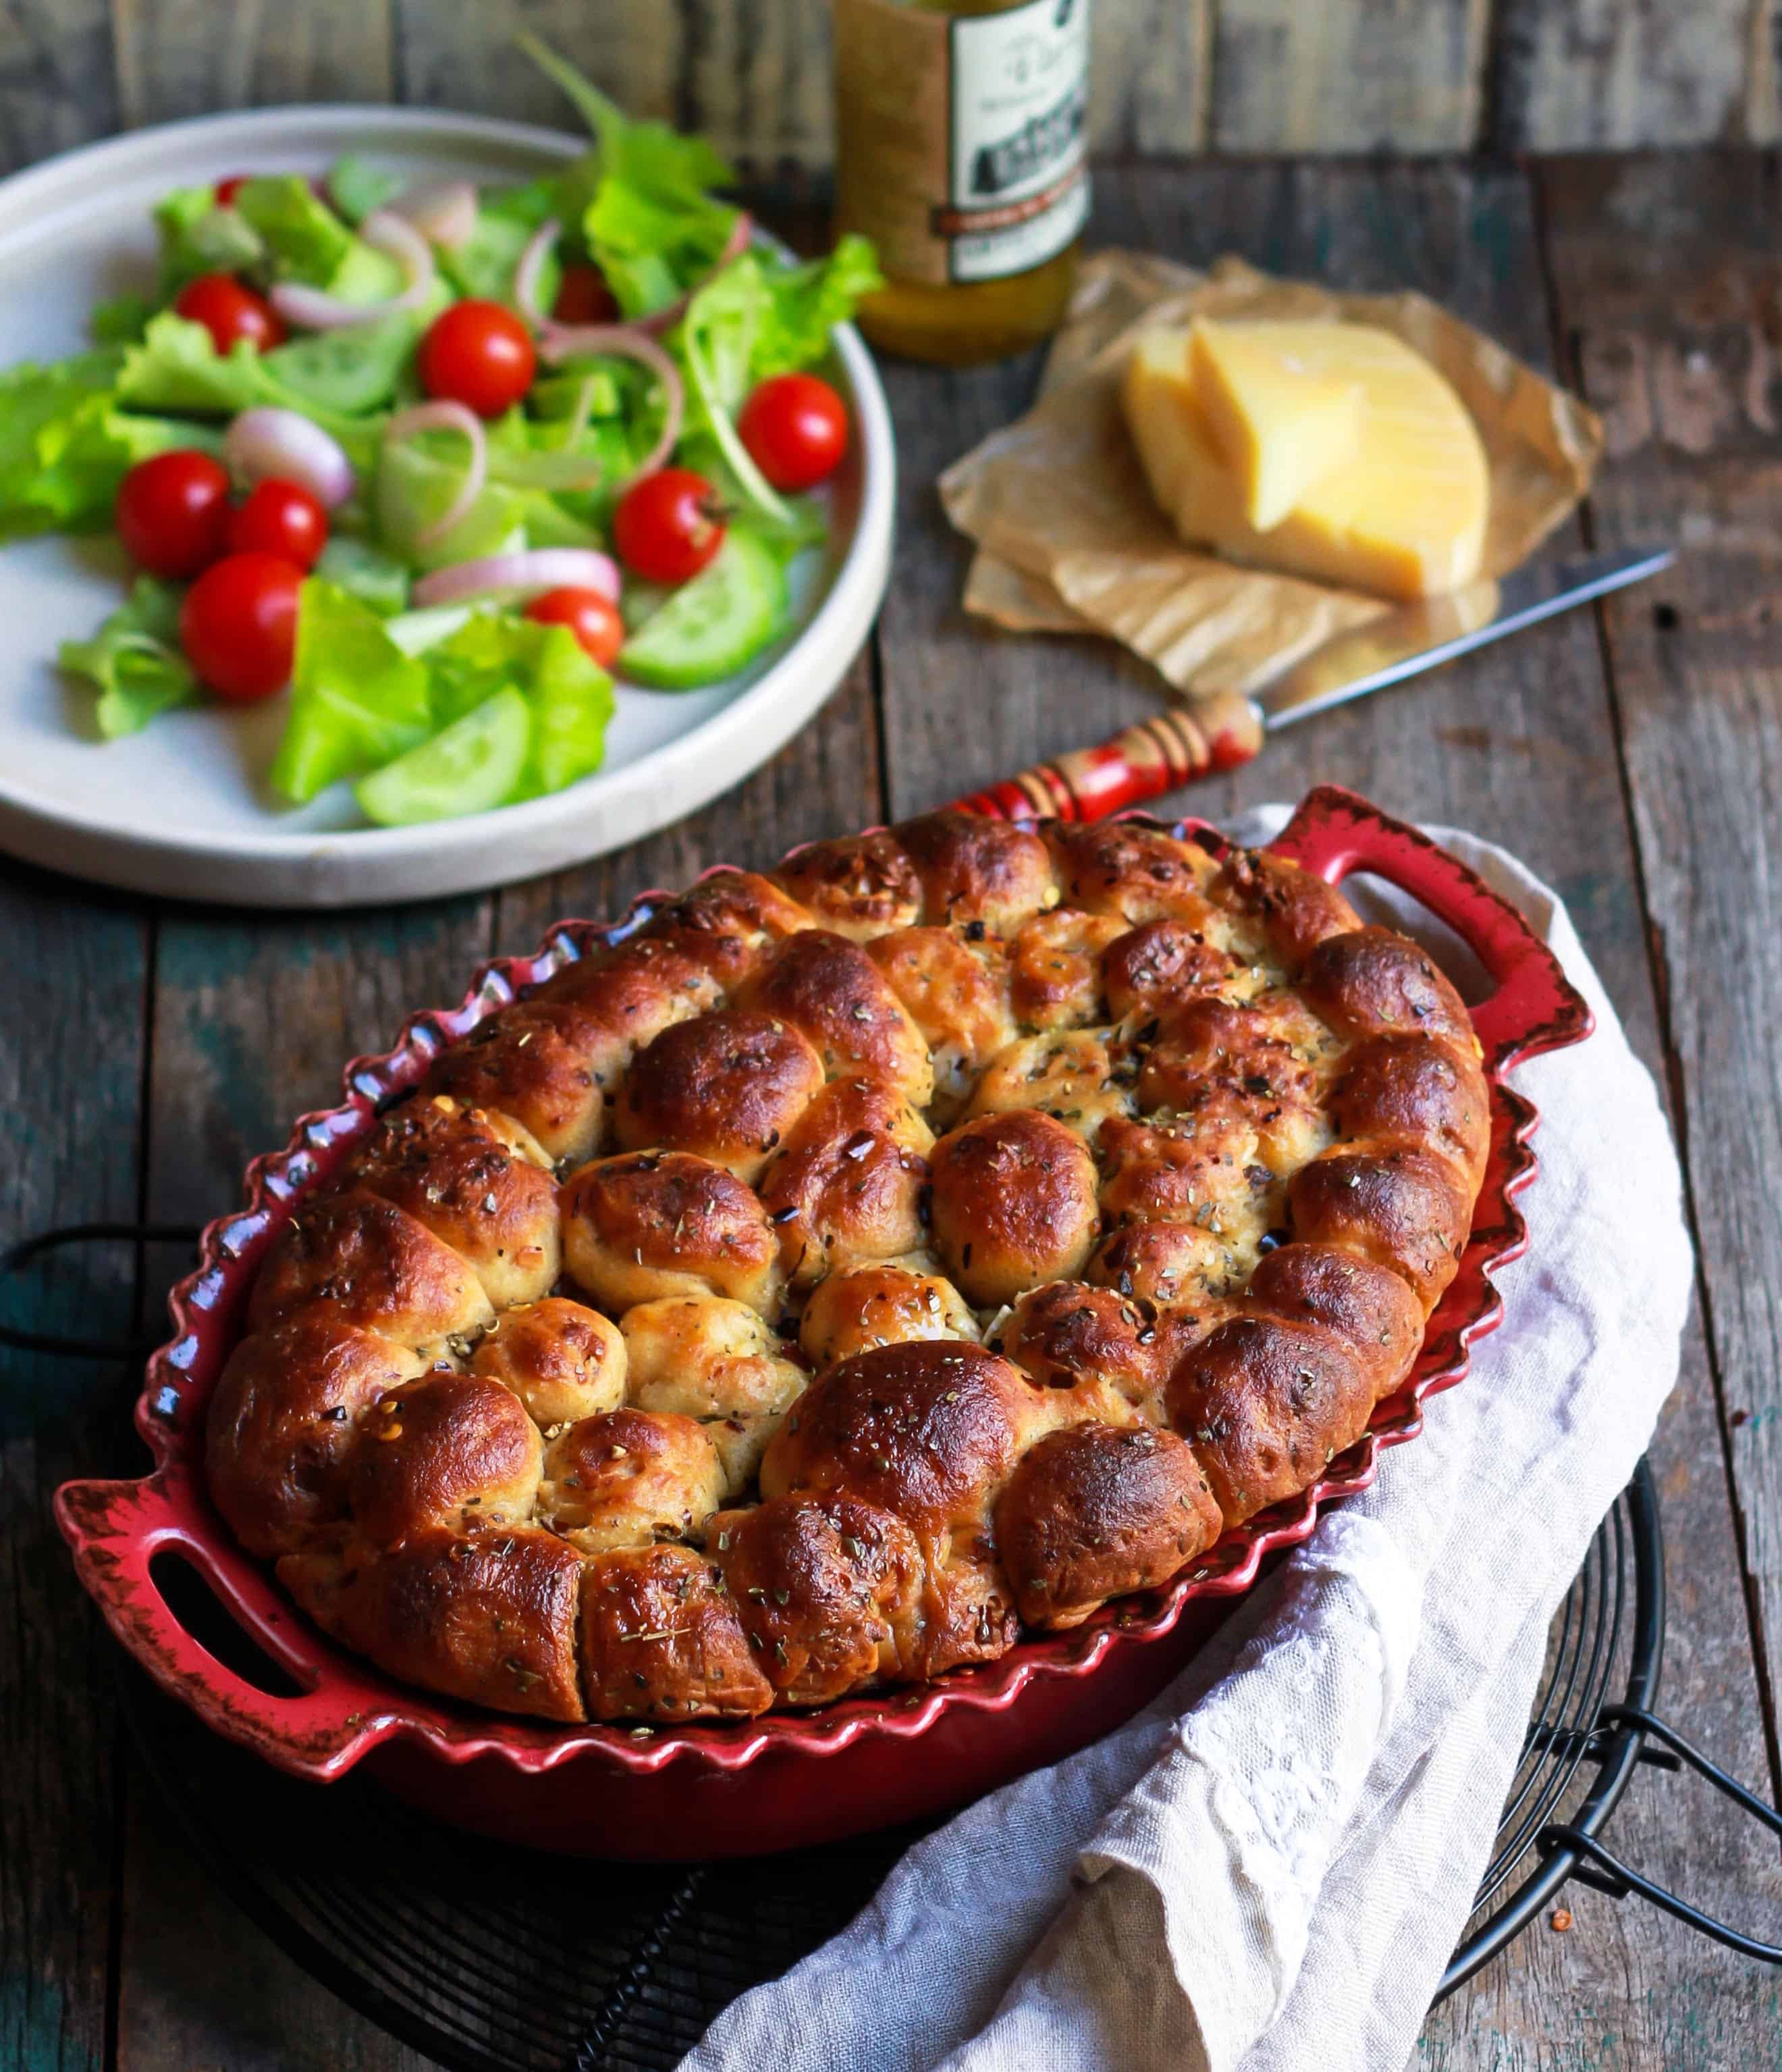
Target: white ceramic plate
(178, 809)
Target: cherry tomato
(280, 518)
(229, 311)
(478, 354)
(795, 428)
(592, 617)
(667, 525)
(584, 296)
(172, 513)
(238, 625)
(227, 189)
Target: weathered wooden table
(1634, 757)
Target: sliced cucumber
(467, 767)
(714, 623)
(355, 369)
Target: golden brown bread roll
(651, 1223)
(885, 1305)
(1265, 1402)
(1370, 1308)
(661, 1640)
(609, 1006)
(361, 1257)
(1373, 982)
(828, 1590)
(563, 1360)
(1066, 1331)
(727, 1086)
(1262, 1061)
(977, 872)
(492, 1620)
(528, 1062)
(1419, 1090)
(628, 1478)
(1095, 1511)
(1147, 970)
(446, 1449)
(283, 1423)
(1014, 1204)
(1136, 873)
(848, 1183)
(1210, 1155)
(1404, 1209)
(1167, 1263)
(926, 1430)
(859, 886)
(1055, 968)
(1296, 911)
(700, 1356)
(1072, 1075)
(831, 990)
(728, 923)
(477, 1180)
(956, 992)
(1200, 1168)
(968, 1611)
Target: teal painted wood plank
(71, 1054)
(255, 1017)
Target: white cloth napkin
(1268, 1869)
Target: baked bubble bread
(953, 1229)
(1327, 450)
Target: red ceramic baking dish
(783, 1780)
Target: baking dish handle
(1533, 1006)
(115, 1530)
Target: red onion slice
(561, 341)
(531, 267)
(445, 214)
(524, 573)
(444, 416)
(268, 441)
(314, 309)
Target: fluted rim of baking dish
(345, 1707)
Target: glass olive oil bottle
(960, 151)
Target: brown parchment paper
(1070, 539)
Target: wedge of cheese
(1280, 419)
(1186, 474)
(1404, 516)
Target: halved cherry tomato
(795, 428)
(478, 354)
(229, 311)
(280, 518)
(227, 189)
(591, 616)
(238, 625)
(584, 298)
(667, 525)
(172, 513)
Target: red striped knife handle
(1142, 762)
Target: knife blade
(1178, 744)
(1419, 636)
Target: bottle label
(961, 140)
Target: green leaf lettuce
(133, 660)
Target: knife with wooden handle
(1174, 745)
